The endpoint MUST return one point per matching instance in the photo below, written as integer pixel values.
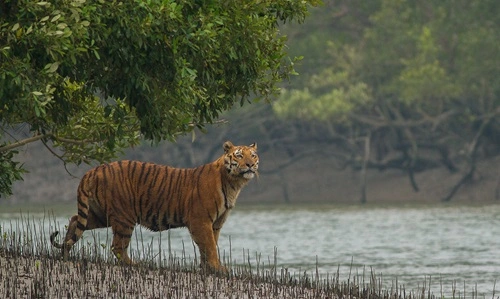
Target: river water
(455, 247)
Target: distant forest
(399, 87)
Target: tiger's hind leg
(122, 233)
(69, 235)
(75, 229)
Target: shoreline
(31, 268)
(45, 276)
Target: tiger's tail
(53, 240)
(76, 226)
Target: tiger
(124, 193)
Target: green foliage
(98, 132)
(322, 102)
(10, 171)
(399, 81)
(90, 77)
(418, 58)
(331, 95)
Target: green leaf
(52, 67)
(55, 18)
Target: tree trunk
(363, 169)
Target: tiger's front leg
(217, 226)
(203, 236)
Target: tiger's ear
(227, 146)
(254, 145)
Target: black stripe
(120, 166)
(154, 176)
(84, 190)
(83, 204)
(148, 216)
(162, 186)
(151, 188)
(201, 169)
(144, 169)
(112, 173)
(96, 184)
(139, 183)
(82, 214)
(226, 204)
(133, 187)
(178, 194)
(133, 168)
(178, 183)
(180, 207)
(160, 200)
(103, 202)
(119, 183)
(80, 226)
(127, 188)
(210, 216)
(198, 183)
(154, 224)
(172, 175)
(164, 222)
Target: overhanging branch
(23, 142)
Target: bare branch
(379, 123)
(58, 157)
(23, 142)
(73, 141)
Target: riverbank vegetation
(88, 79)
(29, 268)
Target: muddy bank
(45, 277)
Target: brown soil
(43, 277)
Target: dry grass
(29, 268)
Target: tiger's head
(240, 160)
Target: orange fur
(125, 193)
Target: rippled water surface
(455, 247)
